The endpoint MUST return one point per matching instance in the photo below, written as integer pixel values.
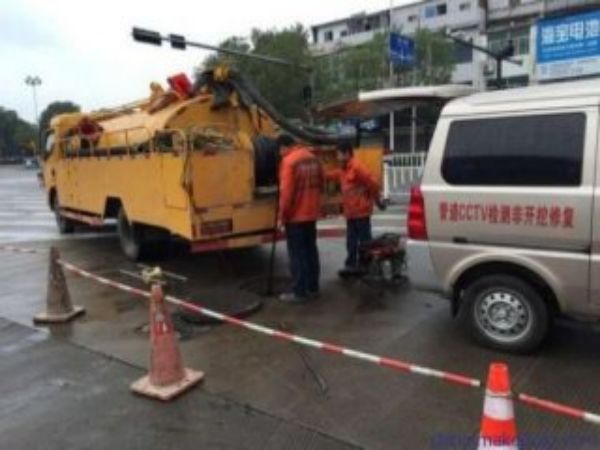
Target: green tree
(351, 69)
(53, 109)
(281, 85)
(366, 67)
(16, 135)
(434, 60)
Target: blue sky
(83, 51)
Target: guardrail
(400, 170)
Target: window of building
(344, 33)
(542, 150)
(328, 36)
(520, 37)
(441, 9)
(430, 11)
(464, 6)
(462, 54)
(412, 18)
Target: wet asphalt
(67, 386)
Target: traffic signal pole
(504, 55)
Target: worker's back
(301, 178)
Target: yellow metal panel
(372, 157)
(172, 166)
(222, 178)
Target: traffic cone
(59, 308)
(167, 377)
(498, 427)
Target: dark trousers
(304, 257)
(357, 232)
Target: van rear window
(542, 150)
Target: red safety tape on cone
(498, 427)
(167, 377)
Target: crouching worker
(300, 185)
(360, 190)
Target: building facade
(487, 23)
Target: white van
(506, 220)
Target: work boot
(290, 297)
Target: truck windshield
(49, 144)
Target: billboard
(569, 46)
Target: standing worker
(360, 190)
(300, 185)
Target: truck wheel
(64, 225)
(140, 241)
(130, 236)
(505, 313)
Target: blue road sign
(401, 50)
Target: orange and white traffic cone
(59, 308)
(167, 377)
(498, 427)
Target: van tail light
(417, 225)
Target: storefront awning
(369, 104)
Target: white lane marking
(19, 224)
(389, 217)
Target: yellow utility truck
(196, 161)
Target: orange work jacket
(359, 189)
(300, 186)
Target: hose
(249, 95)
(271, 270)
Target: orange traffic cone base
(143, 386)
(45, 318)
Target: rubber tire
(527, 293)
(130, 237)
(140, 242)
(64, 224)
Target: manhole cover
(232, 302)
(260, 286)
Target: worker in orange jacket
(300, 185)
(360, 191)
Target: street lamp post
(34, 82)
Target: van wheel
(64, 225)
(140, 241)
(504, 312)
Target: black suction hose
(271, 273)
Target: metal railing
(134, 140)
(400, 171)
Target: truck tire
(139, 241)
(64, 224)
(130, 237)
(505, 313)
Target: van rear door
(595, 245)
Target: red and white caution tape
(396, 364)
(559, 408)
(327, 347)
(391, 363)
(102, 280)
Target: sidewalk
(56, 395)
